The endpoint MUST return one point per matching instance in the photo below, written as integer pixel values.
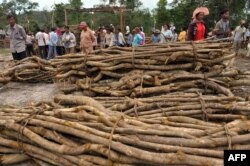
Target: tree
(161, 12)
(183, 11)
(130, 4)
(140, 18)
(58, 13)
(21, 8)
(133, 4)
(75, 4)
(18, 6)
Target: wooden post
(124, 23)
(121, 19)
(66, 17)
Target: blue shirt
(155, 38)
(137, 40)
(130, 39)
(53, 38)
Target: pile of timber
(212, 108)
(151, 70)
(31, 69)
(137, 72)
(78, 130)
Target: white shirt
(2, 32)
(166, 34)
(121, 38)
(248, 33)
(127, 29)
(107, 39)
(95, 42)
(239, 33)
(29, 39)
(46, 37)
(40, 39)
(113, 39)
(69, 40)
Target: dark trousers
(2, 36)
(42, 51)
(30, 50)
(46, 50)
(19, 56)
(59, 50)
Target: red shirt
(200, 32)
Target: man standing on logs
(222, 27)
(87, 38)
(17, 38)
(69, 41)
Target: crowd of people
(47, 44)
(197, 30)
(57, 41)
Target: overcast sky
(89, 3)
(47, 4)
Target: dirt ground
(15, 93)
(242, 63)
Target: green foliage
(133, 4)
(162, 14)
(183, 11)
(75, 4)
(74, 16)
(140, 18)
(130, 4)
(58, 14)
(33, 26)
(18, 6)
(22, 8)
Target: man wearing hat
(197, 29)
(156, 38)
(239, 36)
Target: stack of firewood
(152, 70)
(77, 130)
(32, 69)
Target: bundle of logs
(212, 108)
(78, 130)
(32, 69)
(151, 70)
